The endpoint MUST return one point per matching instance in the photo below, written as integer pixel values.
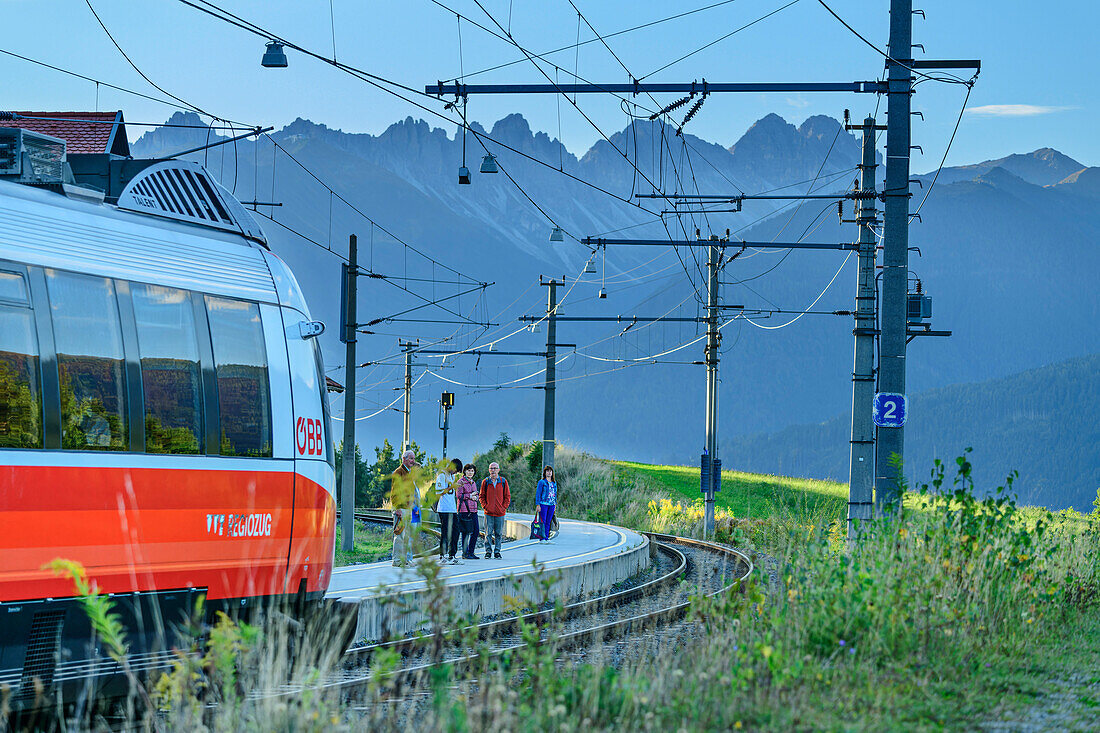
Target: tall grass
(895, 632)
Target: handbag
(536, 530)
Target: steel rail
(633, 623)
(490, 629)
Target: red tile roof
(95, 136)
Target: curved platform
(585, 557)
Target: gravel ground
(1067, 706)
(707, 572)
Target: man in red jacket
(495, 499)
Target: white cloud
(1014, 110)
(798, 102)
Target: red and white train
(163, 416)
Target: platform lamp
(446, 402)
(274, 57)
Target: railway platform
(584, 557)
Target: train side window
(171, 377)
(90, 361)
(20, 385)
(240, 362)
(13, 288)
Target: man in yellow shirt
(405, 500)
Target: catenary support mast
(405, 437)
(861, 466)
(551, 370)
(895, 273)
(347, 475)
(714, 258)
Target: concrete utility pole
(348, 336)
(895, 256)
(861, 466)
(551, 369)
(714, 338)
(405, 441)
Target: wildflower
(851, 650)
(737, 725)
(841, 642)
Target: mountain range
(1007, 249)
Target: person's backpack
(536, 529)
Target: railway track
(687, 567)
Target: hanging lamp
(274, 57)
(463, 171)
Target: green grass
(747, 495)
(959, 612)
(373, 542)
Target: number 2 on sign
(889, 410)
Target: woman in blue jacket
(546, 496)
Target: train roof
(43, 227)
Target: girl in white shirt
(447, 509)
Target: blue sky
(1037, 87)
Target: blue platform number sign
(890, 410)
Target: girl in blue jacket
(546, 496)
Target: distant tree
(534, 458)
(371, 479)
(503, 441)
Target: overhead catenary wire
(137, 69)
(947, 78)
(100, 82)
(579, 43)
(381, 83)
(947, 150)
(718, 40)
(587, 118)
(379, 412)
(811, 305)
(280, 148)
(332, 192)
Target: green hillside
(749, 495)
(1041, 422)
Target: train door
(313, 540)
